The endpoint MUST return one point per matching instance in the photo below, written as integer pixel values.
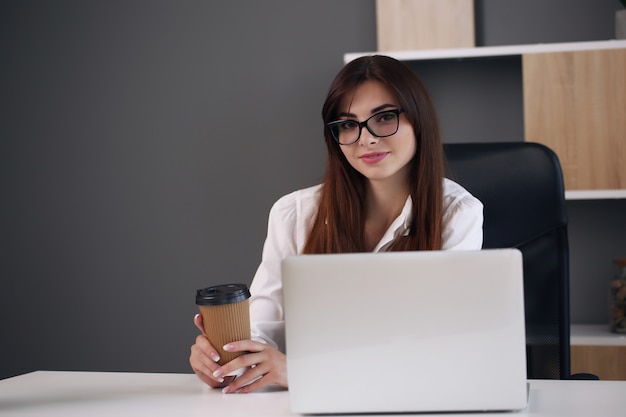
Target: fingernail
(218, 374)
(196, 316)
(227, 347)
(215, 357)
(225, 390)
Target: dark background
(142, 144)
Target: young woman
(384, 190)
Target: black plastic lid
(222, 294)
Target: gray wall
(142, 144)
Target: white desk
(96, 394)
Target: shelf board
(492, 51)
(595, 335)
(595, 194)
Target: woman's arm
(462, 219)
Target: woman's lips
(373, 158)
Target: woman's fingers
(203, 360)
(253, 379)
(260, 365)
(264, 365)
(251, 358)
(246, 346)
(206, 347)
(197, 320)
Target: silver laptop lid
(405, 331)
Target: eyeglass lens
(381, 125)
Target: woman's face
(378, 159)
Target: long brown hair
(340, 220)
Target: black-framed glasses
(380, 125)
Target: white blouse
(289, 221)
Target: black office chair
(521, 187)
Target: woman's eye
(387, 117)
(347, 125)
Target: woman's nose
(367, 138)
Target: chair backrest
(521, 187)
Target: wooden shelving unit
(574, 96)
(597, 351)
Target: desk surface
(68, 394)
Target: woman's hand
(204, 357)
(263, 364)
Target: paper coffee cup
(225, 313)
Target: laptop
(400, 332)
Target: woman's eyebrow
(382, 107)
(374, 110)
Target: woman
(384, 190)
